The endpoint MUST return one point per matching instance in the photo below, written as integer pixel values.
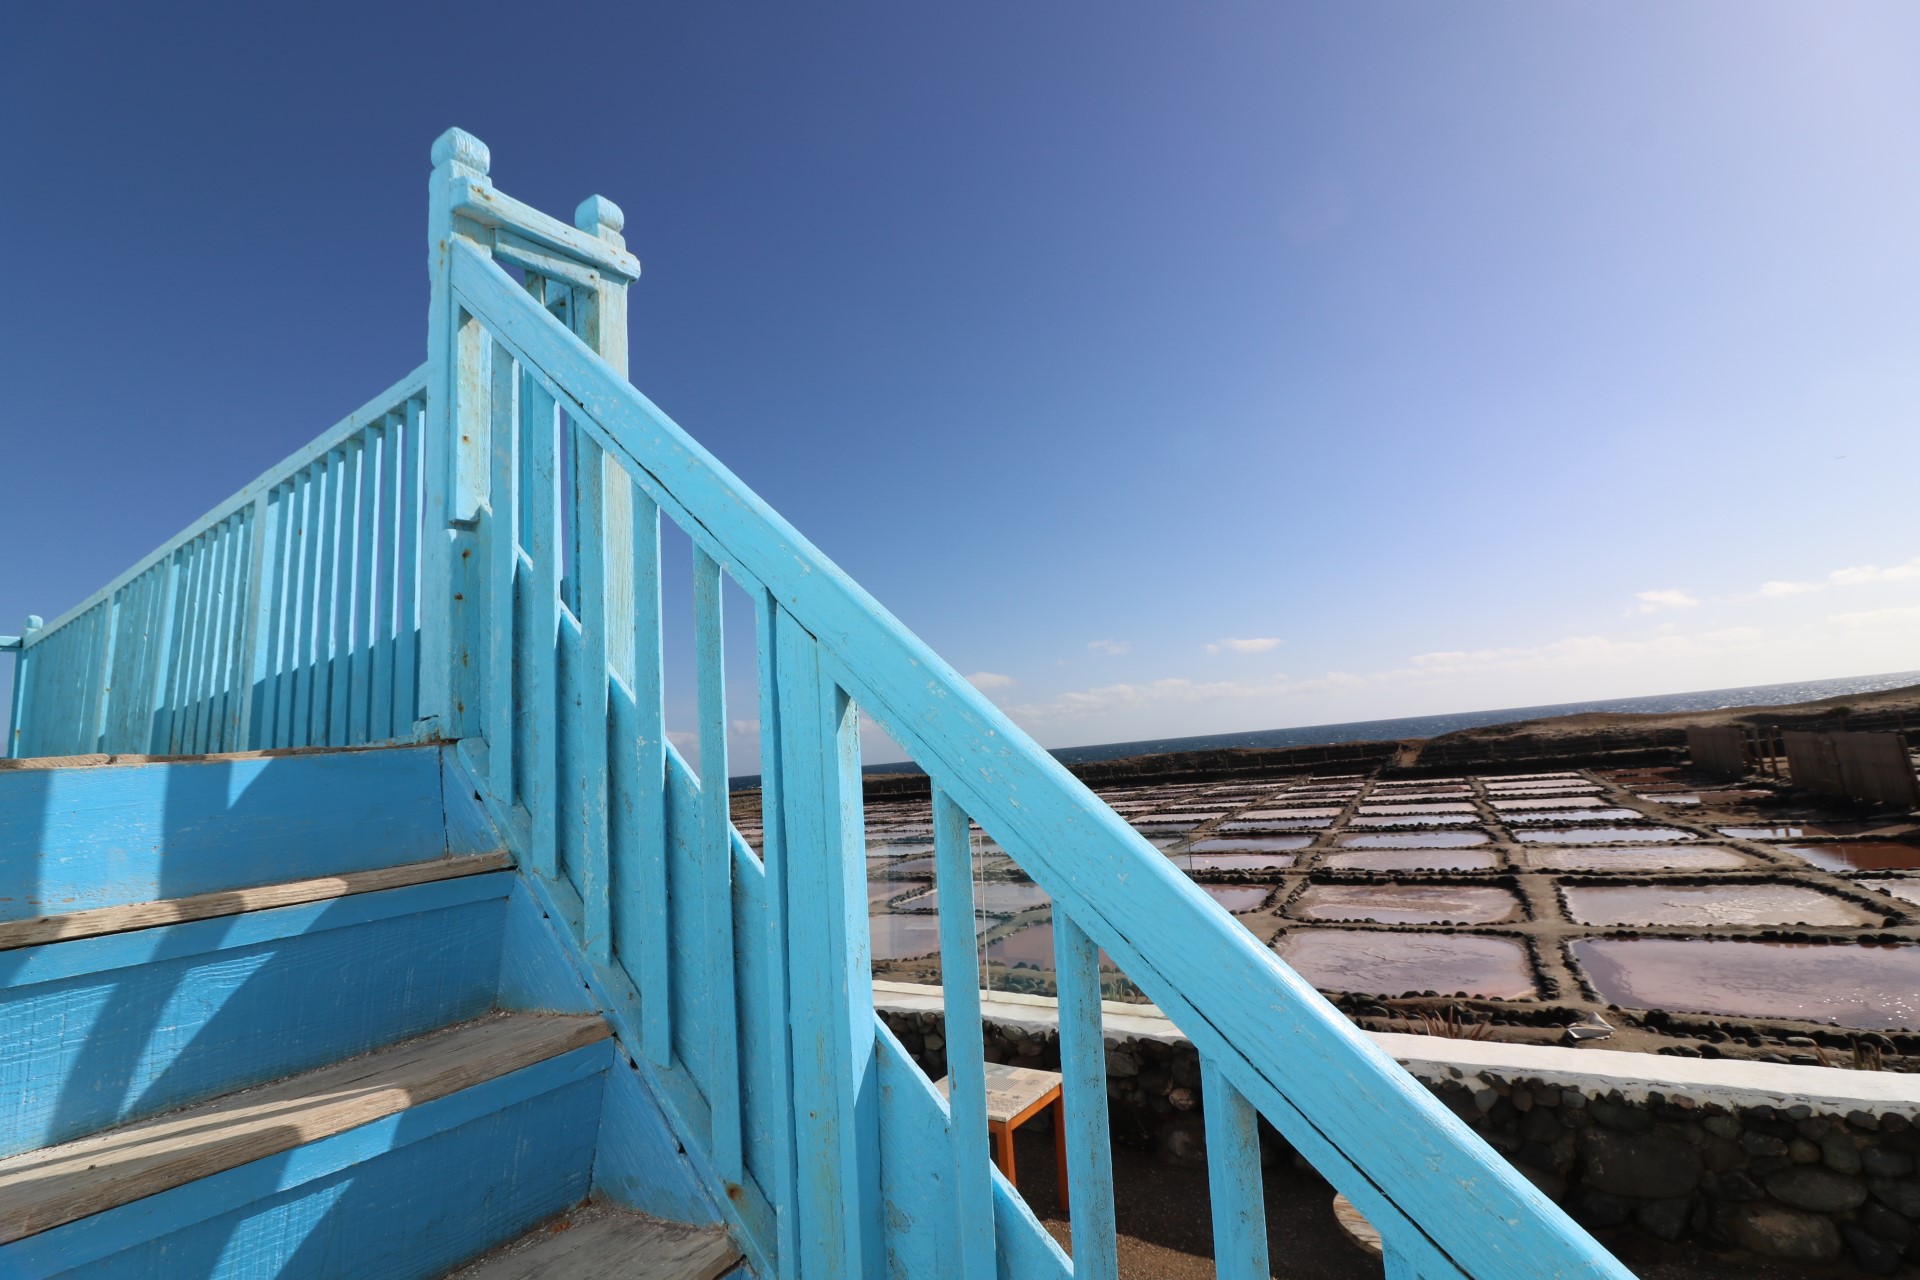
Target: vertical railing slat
(716, 862)
(234, 668)
(773, 938)
(966, 1050)
(273, 697)
(340, 615)
(589, 718)
(325, 531)
(199, 558)
(1234, 1184)
(830, 982)
(380, 590)
(503, 563)
(642, 923)
(1083, 1070)
(539, 419)
(161, 710)
(302, 547)
(365, 553)
(408, 479)
(256, 639)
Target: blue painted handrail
(743, 980)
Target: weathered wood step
(598, 1242)
(43, 1189)
(40, 930)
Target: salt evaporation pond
(901, 937)
(1407, 903)
(1251, 843)
(1858, 855)
(1583, 815)
(1873, 988)
(1558, 802)
(1412, 860)
(1390, 964)
(1631, 858)
(1704, 906)
(995, 897)
(1234, 861)
(1906, 890)
(1437, 806)
(1423, 819)
(1414, 840)
(1604, 835)
(1238, 897)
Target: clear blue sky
(1176, 368)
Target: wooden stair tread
(596, 1242)
(54, 1185)
(97, 921)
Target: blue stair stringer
(102, 1031)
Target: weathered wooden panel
(77, 838)
(1874, 767)
(1719, 749)
(408, 1196)
(102, 1030)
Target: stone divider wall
(1812, 1164)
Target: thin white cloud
(1587, 651)
(986, 681)
(1112, 648)
(746, 726)
(1872, 618)
(1858, 575)
(1670, 598)
(1258, 644)
(1081, 703)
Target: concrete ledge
(1829, 1090)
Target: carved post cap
(35, 622)
(463, 149)
(600, 216)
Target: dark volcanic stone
(1903, 1196)
(1666, 1219)
(1734, 1186)
(1539, 1126)
(1885, 1223)
(1621, 1119)
(1839, 1154)
(1595, 1208)
(1778, 1232)
(1870, 1253)
(1817, 1189)
(1651, 1165)
(1878, 1162)
(1763, 1144)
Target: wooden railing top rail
(1401, 1156)
(414, 384)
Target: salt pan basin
(1872, 988)
(1407, 903)
(1391, 964)
(1714, 904)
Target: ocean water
(1763, 695)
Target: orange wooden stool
(1014, 1096)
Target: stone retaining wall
(1822, 1166)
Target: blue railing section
(285, 617)
(743, 979)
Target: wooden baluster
(256, 644)
(540, 418)
(774, 932)
(589, 718)
(305, 550)
(327, 502)
(340, 616)
(966, 1050)
(1233, 1179)
(716, 865)
(409, 478)
(233, 542)
(503, 571)
(186, 707)
(100, 695)
(18, 739)
(1083, 1068)
(234, 668)
(166, 660)
(380, 590)
(829, 973)
(365, 551)
(641, 921)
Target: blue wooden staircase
(471, 563)
(384, 1065)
